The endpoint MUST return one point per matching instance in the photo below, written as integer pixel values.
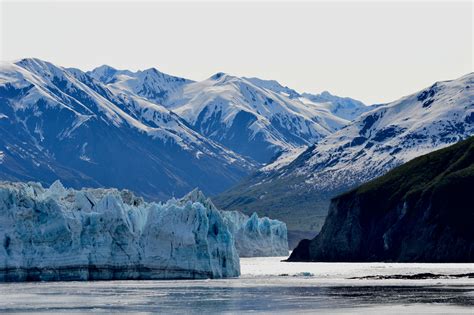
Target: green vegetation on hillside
(303, 213)
(420, 211)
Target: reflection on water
(261, 289)
(223, 296)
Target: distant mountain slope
(253, 117)
(62, 123)
(150, 84)
(421, 211)
(344, 107)
(298, 191)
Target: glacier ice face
(257, 237)
(92, 234)
(254, 236)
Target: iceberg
(106, 234)
(254, 236)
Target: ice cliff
(254, 236)
(257, 237)
(103, 234)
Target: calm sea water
(266, 286)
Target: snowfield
(392, 134)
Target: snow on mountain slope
(283, 159)
(372, 144)
(421, 211)
(344, 107)
(64, 123)
(61, 123)
(150, 83)
(274, 86)
(59, 234)
(253, 117)
(393, 134)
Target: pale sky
(372, 51)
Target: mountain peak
(103, 73)
(161, 77)
(218, 76)
(273, 85)
(152, 70)
(104, 68)
(31, 60)
(35, 64)
(326, 94)
(41, 68)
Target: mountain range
(253, 144)
(156, 134)
(62, 123)
(298, 187)
(254, 118)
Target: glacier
(257, 237)
(254, 236)
(106, 234)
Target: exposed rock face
(254, 236)
(422, 211)
(105, 234)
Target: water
(266, 286)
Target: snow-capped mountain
(150, 84)
(253, 117)
(344, 107)
(62, 123)
(154, 133)
(420, 211)
(391, 135)
(372, 144)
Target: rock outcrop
(422, 211)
